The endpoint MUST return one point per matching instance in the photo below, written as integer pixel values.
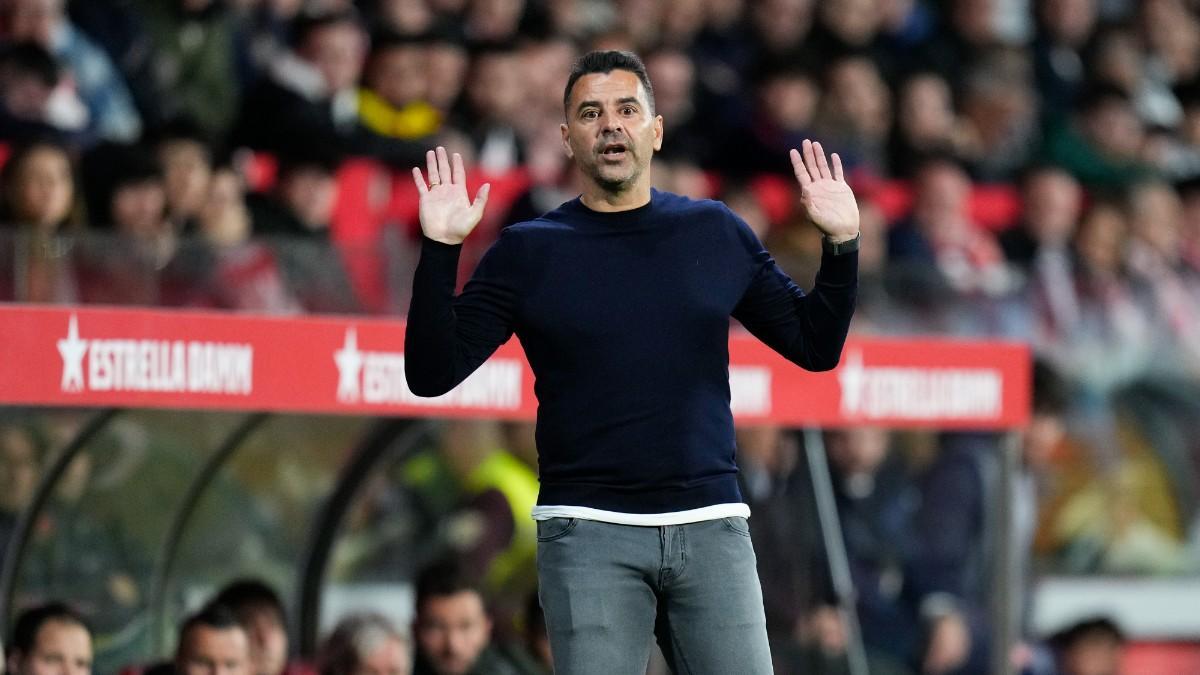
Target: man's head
(1090, 647)
(365, 644)
(452, 625)
(335, 44)
(1053, 202)
(260, 612)
(36, 20)
(212, 642)
(50, 640)
(611, 129)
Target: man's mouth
(613, 151)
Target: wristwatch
(848, 246)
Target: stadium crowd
(1027, 169)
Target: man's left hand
(827, 199)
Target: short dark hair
(443, 578)
(606, 62)
(30, 58)
(247, 596)
(213, 615)
(1099, 626)
(30, 622)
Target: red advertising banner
(89, 357)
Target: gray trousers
(607, 589)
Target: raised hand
(828, 201)
(447, 215)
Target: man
(260, 612)
(50, 640)
(621, 299)
(453, 629)
(212, 642)
(365, 644)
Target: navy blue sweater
(624, 318)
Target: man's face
(610, 131)
(268, 641)
(452, 631)
(61, 648)
(214, 651)
(337, 51)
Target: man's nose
(610, 122)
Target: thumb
(480, 202)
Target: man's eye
(629, 110)
(590, 115)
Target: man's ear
(566, 140)
(658, 132)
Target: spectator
(195, 60)
(298, 214)
(939, 233)
(493, 20)
(211, 642)
(925, 121)
(33, 102)
(1103, 147)
(674, 76)
(453, 629)
(786, 100)
(224, 268)
(447, 66)
(393, 101)
(261, 614)
(1089, 647)
(186, 157)
(1000, 110)
(111, 113)
(496, 98)
(40, 200)
(18, 478)
(50, 638)
(1063, 30)
(856, 114)
(365, 644)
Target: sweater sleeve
(807, 329)
(448, 337)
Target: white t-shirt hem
(714, 512)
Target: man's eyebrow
(585, 104)
(629, 99)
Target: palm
(447, 214)
(827, 199)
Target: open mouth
(613, 151)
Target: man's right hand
(446, 213)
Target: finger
(420, 181)
(822, 164)
(431, 168)
(458, 175)
(481, 198)
(799, 170)
(810, 160)
(837, 168)
(443, 160)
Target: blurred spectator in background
(50, 638)
(195, 60)
(39, 203)
(33, 101)
(856, 114)
(674, 77)
(452, 626)
(18, 477)
(224, 268)
(260, 612)
(496, 97)
(1155, 259)
(940, 235)
(1102, 146)
(999, 107)
(394, 99)
(446, 74)
(186, 157)
(211, 642)
(1063, 30)
(297, 216)
(876, 503)
(785, 104)
(1089, 647)
(111, 114)
(365, 644)
(312, 93)
(926, 121)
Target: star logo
(349, 362)
(852, 377)
(72, 350)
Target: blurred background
(1026, 170)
